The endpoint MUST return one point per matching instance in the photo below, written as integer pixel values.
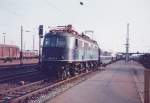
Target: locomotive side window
(80, 43)
(76, 43)
(70, 42)
(86, 45)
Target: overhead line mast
(127, 44)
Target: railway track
(17, 80)
(18, 66)
(18, 75)
(25, 89)
(34, 91)
(19, 91)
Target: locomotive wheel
(64, 75)
(86, 70)
(72, 72)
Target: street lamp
(21, 53)
(4, 38)
(32, 39)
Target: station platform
(113, 85)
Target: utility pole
(127, 44)
(33, 42)
(4, 39)
(21, 52)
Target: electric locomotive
(65, 52)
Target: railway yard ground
(119, 82)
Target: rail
(18, 66)
(18, 75)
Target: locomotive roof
(65, 33)
(5, 45)
(68, 30)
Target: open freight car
(9, 52)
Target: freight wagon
(9, 52)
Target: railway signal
(40, 36)
(41, 31)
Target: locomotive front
(56, 50)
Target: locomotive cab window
(54, 41)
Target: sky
(107, 18)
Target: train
(144, 59)
(65, 52)
(11, 52)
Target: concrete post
(21, 52)
(146, 86)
